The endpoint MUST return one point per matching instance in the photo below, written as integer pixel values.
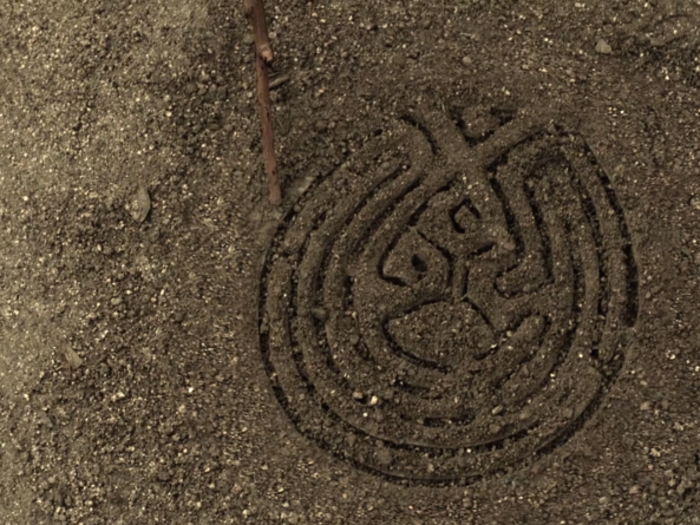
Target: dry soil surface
(477, 304)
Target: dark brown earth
(477, 304)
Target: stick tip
(276, 196)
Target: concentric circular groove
(443, 307)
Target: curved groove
(428, 413)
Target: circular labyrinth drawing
(451, 302)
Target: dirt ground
(478, 303)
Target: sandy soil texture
(477, 304)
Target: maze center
(463, 313)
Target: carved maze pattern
(458, 312)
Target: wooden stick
(263, 56)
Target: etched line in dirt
(450, 304)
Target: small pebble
(683, 487)
(603, 47)
(249, 39)
(140, 204)
(319, 313)
(71, 356)
(384, 456)
(117, 396)
(279, 81)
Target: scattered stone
(249, 39)
(319, 313)
(603, 47)
(695, 202)
(357, 395)
(497, 410)
(279, 81)
(163, 475)
(140, 204)
(384, 456)
(73, 360)
(683, 487)
(467, 61)
(117, 396)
